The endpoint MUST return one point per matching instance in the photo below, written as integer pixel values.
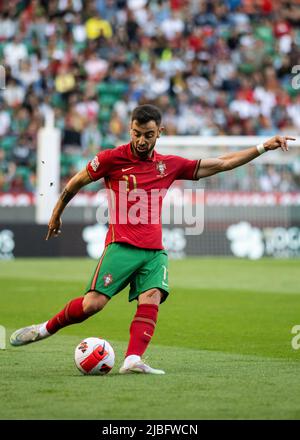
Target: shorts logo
(107, 279)
(95, 163)
(161, 168)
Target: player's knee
(151, 296)
(94, 302)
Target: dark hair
(145, 113)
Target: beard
(144, 152)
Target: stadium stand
(214, 68)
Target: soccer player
(133, 252)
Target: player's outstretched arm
(73, 186)
(229, 161)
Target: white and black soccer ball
(94, 356)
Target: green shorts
(122, 264)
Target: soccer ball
(94, 356)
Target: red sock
(71, 314)
(142, 329)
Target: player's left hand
(278, 142)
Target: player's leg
(141, 331)
(111, 275)
(153, 274)
(75, 311)
(144, 322)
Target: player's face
(143, 138)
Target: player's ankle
(131, 358)
(43, 330)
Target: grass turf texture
(223, 337)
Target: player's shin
(142, 329)
(72, 313)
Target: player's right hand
(54, 227)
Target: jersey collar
(134, 158)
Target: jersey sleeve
(187, 169)
(100, 165)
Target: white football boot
(134, 364)
(26, 335)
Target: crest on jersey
(161, 168)
(95, 163)
(107, 279)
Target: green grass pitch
(223, 337)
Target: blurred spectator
(5, 120)
(14, 93)
(23, 152)
(8, 25)
(65, 80)
(91, 139)
(7, 171)
(270, 179)
(172, 26)
(15, 51)
(71, 138)
(97, 27)
(95, 67)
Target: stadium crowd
(213, 67)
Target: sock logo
(147, 334)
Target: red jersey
(136, 190)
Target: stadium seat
(108, 100)
(104, 114)
(8, 142)
(116, 89)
